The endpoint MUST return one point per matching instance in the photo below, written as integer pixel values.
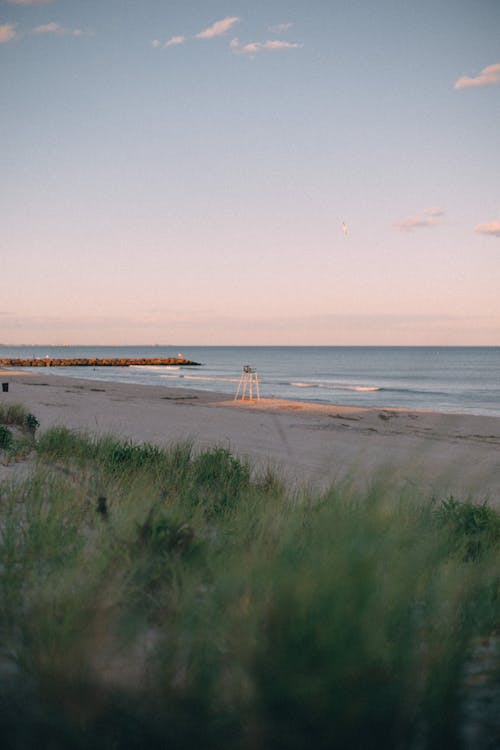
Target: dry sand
(311, 443)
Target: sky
(180, 172)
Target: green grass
(167, 598)
(5, 437)
(17, 431)
(12, 414)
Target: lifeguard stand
(248, 382)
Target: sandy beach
(312, 444)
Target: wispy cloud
(56, 28)
(175, 40)
(253, 48)
(489, 76)
(433, 211)
(7, 32)
(490, 227)
(428, 217)
(415, 222)
(29, 2)
(279, 28)
(219, 28)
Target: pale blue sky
(195, 192)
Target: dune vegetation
(162, 597)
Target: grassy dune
(157, 598)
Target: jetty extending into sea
(94, 362)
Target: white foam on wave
(366, 388)
(201, 377)
(357, 388)
(337, 386)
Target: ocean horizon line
(251, 346)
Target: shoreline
(448, 379)
(265, 403)
(310, 443)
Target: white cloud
(427, 218)
(433, 211)
(236, 45)
(175, 40)
(279, 28)
(487, 77)
(253, 48)
(490, 227)
(415, 222)
(273, 44)
(218, 28)
(29, 2)
(155, 43)
(56, 28)
(7, 32)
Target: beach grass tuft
(12, 414)
(164, 597)
(5, 437)
(17, 430)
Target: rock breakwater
(94, 362)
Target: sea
(446, 379)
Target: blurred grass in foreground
(157, 598)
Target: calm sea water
(448, 379)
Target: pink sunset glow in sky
(180, 172)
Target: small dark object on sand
(102, 507)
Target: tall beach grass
(167, 598)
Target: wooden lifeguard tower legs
(249, 382)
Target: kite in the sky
(344, 229)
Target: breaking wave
(337, 387)
(204, 378)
